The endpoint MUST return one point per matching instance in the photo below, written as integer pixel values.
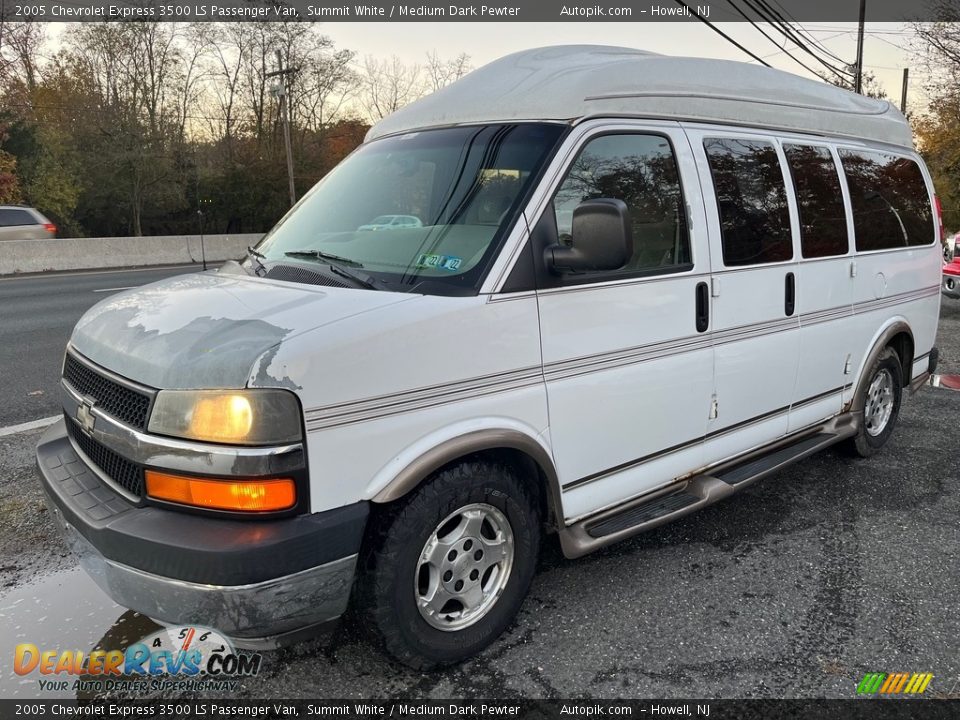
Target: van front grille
(126, 474)
(124, 403)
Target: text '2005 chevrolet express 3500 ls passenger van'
(624, 286)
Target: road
(795, 587)
(37, 313)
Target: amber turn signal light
(254, 495)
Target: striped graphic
(413, 399)
(894, 683)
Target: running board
(685, 497)
(740, 475)
(663, 506)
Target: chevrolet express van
(632, 286)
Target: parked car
(950, 247)
(18, 222)
(639, 286)
(392, 222)
(951, 278)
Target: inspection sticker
(439, 262)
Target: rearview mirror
(601, 239)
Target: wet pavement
(65, 604)
(795, 587)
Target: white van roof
(572, 82)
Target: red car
(951, 278)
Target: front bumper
(261, 582)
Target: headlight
(232, 417)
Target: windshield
(424, 211)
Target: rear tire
(446, 569)
(880, 399)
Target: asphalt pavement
(796, 587)
(37, 313)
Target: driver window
(640, 170)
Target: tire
(880, 398)
(467, 509)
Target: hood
(207, 330)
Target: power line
(780, 52)
(770, 15)
(803, 32)
(722, 33)
(763, 10)
(840, 28)
(763, 32)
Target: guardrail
(32, 256)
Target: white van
(635, 285)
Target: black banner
(854, 709)
(474, 11)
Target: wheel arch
(897, 335)
(531, 458)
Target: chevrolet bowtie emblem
(85, 417)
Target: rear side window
(823, 219)
(10, 217)
(751, 199)
(642, 171)
(891, 207)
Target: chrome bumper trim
(264, 613)
(184, 455)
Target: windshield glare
(424, 210)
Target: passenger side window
(640, 170)
(751, 200)
(891, 207)
(823, 220)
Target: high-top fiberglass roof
(571, 82)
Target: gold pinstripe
(382, 406)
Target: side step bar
(748, 472)
(682, 498)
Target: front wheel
(446, 570)
(880, 398)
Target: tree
(871, 87)
(133, 69)
(130, 128)
(388, 85)
(441, 73)
(20, 44)
(936, 49)
(9, 185)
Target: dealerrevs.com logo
(894, 683)
(176, 658)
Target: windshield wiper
(258, 258)
(320, 255)
(367, 282)
(338, 266)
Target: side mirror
(601, 237)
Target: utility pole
(858, 81)
(203, 252)
(285, 113)
(903, 91)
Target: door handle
(703, 307)
(790, 295)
